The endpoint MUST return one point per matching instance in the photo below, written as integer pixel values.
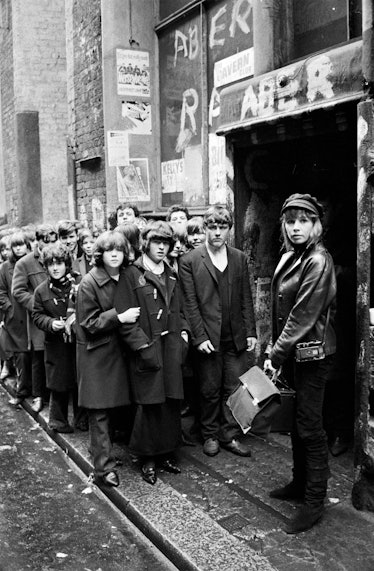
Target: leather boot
(306, 517)
(293, 491)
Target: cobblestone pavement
(217, 514)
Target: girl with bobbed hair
(54, 313)
(154, 345)
(102, 370)
(15, 318)
(109, 241)
(303, 311)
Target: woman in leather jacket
(303, 309)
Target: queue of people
(112, 322)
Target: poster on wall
(133, 181)
(133, 74)
(118, 148)
(137, 117)
(217, 169)
(234, 68)
(172, 176)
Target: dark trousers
(219, 374)
(309, 441)
(23, 366)
(101, 448)
(38, 374)
(59, 409)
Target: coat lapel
(208, 263)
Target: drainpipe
(363, 488)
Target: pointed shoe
(149, 473)
(110, 479)
(170, 465)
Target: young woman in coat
(102, 371)
(303, 309)
(156, 345)
(53, 309)
(15, 318)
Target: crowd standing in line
(160, 318)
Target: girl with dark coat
(102, 371)
(303, 310)
(53, 312)
(15, 318)
(156, 344)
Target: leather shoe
(211, 447)
(37, 404)
(289, 492)
(169, 465)
(305, 518)
(149, 473)
(237, 448)
(110, 479)
(15, 401)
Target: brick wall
(87, 109)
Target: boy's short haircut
(177, 208)
(43, 230)
(66, 227)
(195, 225)
(217, 215)
(125, 205)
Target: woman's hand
(58, 325)
(130, 315)
(268, 367)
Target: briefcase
(256, 394)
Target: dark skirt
(157, 429)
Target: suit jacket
(202, 304)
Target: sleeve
(310, 302)
(125, 297)
(20, 288)
(91, 316)
(39, 317)
(190, 302)
(5, 301)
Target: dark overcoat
(59, 356)
(303, 288)
(202, 303)
(15, 315)
(101, 367)
(28, 274)
(155, 371)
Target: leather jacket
(303, 288)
